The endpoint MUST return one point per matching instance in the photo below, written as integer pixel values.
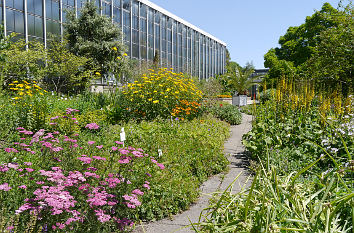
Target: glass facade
(147, 30)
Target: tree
(241, 79)
(333, 59)
(65, 71)
(97, 38)
(299, 44)
(22, 63)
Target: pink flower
(119, 143)
(160, 165)
(27, 163)
(102, 217)
(123, 151)
(99, 158)
(86, 160)
(10, 228)
(138, 192)
(146, 186)
(9, 150)
(12, 165)
(20, 128)
(92, 126)
(54, 118)
(22, 208)
(57, 149)
(39, 182)
(29, 169)
(114, 148)
(91, 142)
(22, 187)
(5, 187)
(100, 147)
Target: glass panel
(18, 4)
(135, 7)
(126, 4)
(38, 22)
(10, 20)
(151, 41)
(19, 22)
(157, 17)
(107, 9)
(116, 15)
(126, 33)
(143, 25)
(135, 22)
(126, 19)
(143, 52)
(135, 37)
(53, 27)
(143, 38)
(35, 7)
(143, 10)
(135, 50)
(116, 3)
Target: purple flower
(92, 126)
(138, 192)
(5, 187)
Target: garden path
(238, 163)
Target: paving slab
(234, 150)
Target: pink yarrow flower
(5, 187)
(92, 126)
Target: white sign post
(122, 136)
(160, 152)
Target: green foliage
(22, 63)
(241, 79)
(211, 87)
(96, 37)
(333, 58)
(303, 176)
(227, 112)
(319, 49)
(66, 72)
(185, 145)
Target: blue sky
(249, 27)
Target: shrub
(228, 113)
(30, 104)
(162, 94)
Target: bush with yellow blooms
(30, 103)
(162, 93)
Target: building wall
(146, 28)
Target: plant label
(160, 152)
(122, 135)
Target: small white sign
(160, 152)
(122, 135)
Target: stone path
(238, 163)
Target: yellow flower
(119, 58)
(115, 48)
(98, 73)
(125, 54)
(40, 93)
(20, 93)
(155, 101)
(15, 81)
(150, 99)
